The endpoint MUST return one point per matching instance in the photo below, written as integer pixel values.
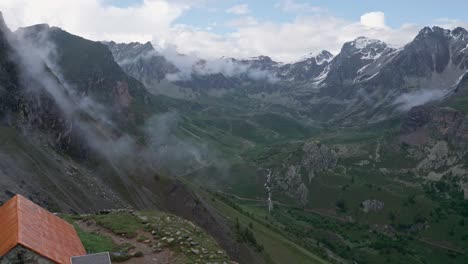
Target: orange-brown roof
(22, 222)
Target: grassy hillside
(336, 236)
(421, 221)
(274, 247)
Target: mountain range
(367, 81)
(358, 157)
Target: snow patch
(319, 79)
(371, 77)
(362, 42)
(361, 70)
(320, 57)
(464, 49)
(370, 56)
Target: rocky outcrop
(437, 137)
(293, 178)
(121, 95)
(417, 118)
(141, 61)
(423, 123)
(291, 184)
(369, 206)
(316, 158)
(450, 124)
(437, 156)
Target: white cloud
(373, 19)
(285, 41)
(409, 100)
(95, 20)
(192, 64)
(293, 6)
(155, 20)
(241, 9)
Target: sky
(285, 30)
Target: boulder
(372, 206)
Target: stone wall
(21, 255)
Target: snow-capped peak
(320, 57)
(370, 49)
(323, 56)
(363, 42)
(260, 58)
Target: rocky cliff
(426, 122)
(438, 138)
(294, 165)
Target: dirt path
(326, 213)
(429, 242)
(163, 257)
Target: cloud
(373, 19)
(241, 9)
(94, 19)
(295, 7)
(164, 150)
(191, 64)
(283, 41)
(312, 30)
(409, 100)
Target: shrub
(341, 205)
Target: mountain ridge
(362, 83)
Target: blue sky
(285, 30)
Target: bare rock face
(294, 178)
(317, 157)
(450, 123)
(291, 184)
(369, 206)
(437, 123)
(438, 139)
(417, 118)
(141, 61)
(121, 94)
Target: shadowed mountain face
(36, 128)
(73, 133)
(92, 71)
(368, 81)
(141, 61)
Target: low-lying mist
(409, 100)
(157, 145)
(191, 65)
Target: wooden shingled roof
(24, 223)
